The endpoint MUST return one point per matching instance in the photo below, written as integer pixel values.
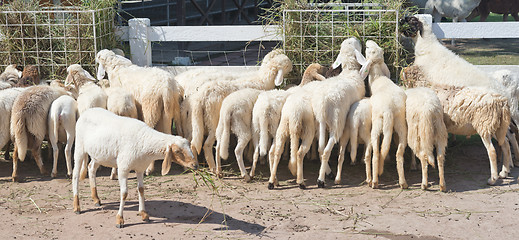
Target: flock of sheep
(325, 109)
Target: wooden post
(140, 45)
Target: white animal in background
(7, 97)
(9, 78)
(90, 95)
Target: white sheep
(331, 100)
(120, 102)
(10, 77)
(206, 103)
(426, 130)
(267, 113)
(29, 123)
(89, 94)
(235, 117)
(62, 127)
(127, 144)
(357, 130)
(297, 122)
(7, 97)
(388, 114)
(458, 10)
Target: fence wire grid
(54, 38)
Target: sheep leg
(425, 165)
(440, 156)
(68, 151)
(7, 150)
(342, 151)
(149, 170)
(36, 154)
(322, 137)
(303, 150)
(92, 169)
(294, 146)
(367, 161)
(375, 139)
(238, 151)
(255, 157)
(14, 175)
(218, 160)
(401, 129)
(491, 151)
(507, 158)
(142, 207)
(515, 148)
(208, 150)
(324, 161)
(55, 150)
(113, 174)
(123, 184)
(279, 147)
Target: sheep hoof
(424, 186)
(120, 221)
(97, 204)
(503, 174)
(16, 179)
(492, 181)
(302, 186)
(337, 181)
(404, 185)
(69, 176)
(320, 184)
(443, 188)
(119, 225)
(145, 216)
(77, 212)
(330, 176)
(271, 186)
(374, 185)
(246, 178)
(219, 174)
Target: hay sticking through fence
(314, 32)
(53, 38)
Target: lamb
(110, 140)
(388, 113)
(426, 130)
(156, 92)
(89, 94)
(7, 97)
(29, 123)
(267, 113)
(440, 66)
(357, 130)
(235, 116)
(206, 103)
(62, 127)
(458, 10)
(331, 101)
(10, 77)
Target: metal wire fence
(54, 38)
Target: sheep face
(346, 56)
(13, 68)
(410, 26)
(180, 154)
(77, 75)
(106, 58)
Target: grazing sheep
(7, 97)
(298, 122)
(29, 122)
(206, 103)
(236, 117)
(89, 94)
(357, 130)
(10, 77)
(388, 113)
(426, 130)
(30, 76)
(62, 128)
(267, 113)
(127, 144)
(331, 100)
(155, 90)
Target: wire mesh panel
(315, 35)
(54, 38)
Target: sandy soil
(41, 207)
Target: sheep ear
(87, 74)
(337, 62)
(360, 58)
(364, 71)
(279, 78)
(100, 72)
(386, 71)
(19, 73)
(166, 164)
(68, 80)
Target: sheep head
(271, 55)
(30, 76)
(13, 68)
(180, 153)
(77, 76)
(106, 58)
(278, 66)
(11, 74)
(313, 72)
(346, 57)
(410, 26)
(375, 57)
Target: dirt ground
(41, 207)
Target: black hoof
(119, 225)
(69, 176)
(320, 184)
(302, 186)
(271, 186)
(330, 176)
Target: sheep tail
(353, 143)
(197, 123)
(387, 130)
(170, 98)
(427, 136)
(224, 125)
(263, 136)
(292, 164)
(20, 134)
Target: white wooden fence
(140, 34)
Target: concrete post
(140, 45)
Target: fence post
(140, 45)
